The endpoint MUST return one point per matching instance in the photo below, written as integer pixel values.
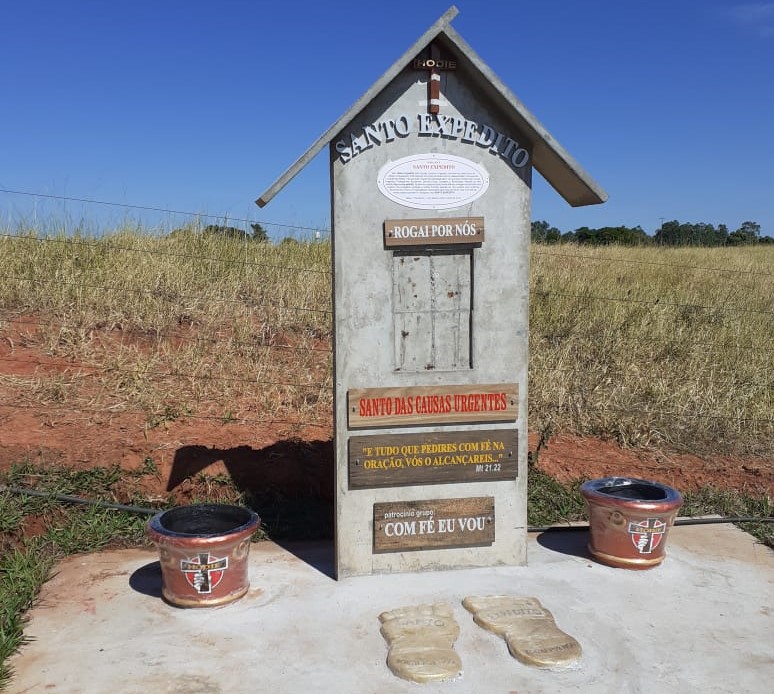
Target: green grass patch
(60, 529)
(22, 573)
(551, 503)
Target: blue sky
(668, 104)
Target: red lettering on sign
(481, 402)
(404, 406)
(432, 404)
(375, 407)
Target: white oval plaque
(433, 181)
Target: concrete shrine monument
(431, 174)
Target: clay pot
(203, 551)
(629, 520)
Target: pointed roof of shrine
(550, 159)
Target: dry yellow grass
(654, 346)
(650, 346)
(173, 325)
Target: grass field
(651, 346)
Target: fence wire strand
(676, 266)
(85, 369)
(157, 290)
(148, 208)
(177, 336)
(547, 294)
(557, 406)
(255, 344)
(96, 371)
(152, 251)
(543, 294)
(117, 409)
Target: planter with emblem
(203, 551)
(629, 520)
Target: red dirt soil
(294, 458)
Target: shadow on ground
(147, 579)
(289, 484)
(570, 540)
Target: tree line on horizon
(672, 233)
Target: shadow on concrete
(289, 484)
(571, 541)
(319, 555)
(147, 580)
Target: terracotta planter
(629, 520)
(203, 551)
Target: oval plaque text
(432, 181)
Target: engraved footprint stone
(528, 628)
(421, 640)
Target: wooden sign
(403, 526)
(397, 460)
(418, 405)
(433, 232)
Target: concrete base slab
(702, 621)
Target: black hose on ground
(80, 500)
(532, 528)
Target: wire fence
(258, 345)
(629, 261)
(206, 298)
(85, 369)
(657, 301)
(571, 256)
(223, 419)
(122, 409)
(160, 252)
(542, 294)
(147, 208)
(311, 367)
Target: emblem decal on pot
(647, 535)
(203, 571)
